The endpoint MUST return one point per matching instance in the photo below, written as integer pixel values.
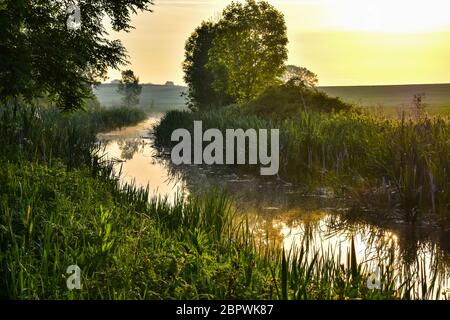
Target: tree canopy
(249, 50)
(300, 76)
(130, 88)
(40, 55)
(201, 93)
(237, 57)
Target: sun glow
(345, 42)
(395, 16)
(369, 15)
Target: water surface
(280, 213)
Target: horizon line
(320, 86)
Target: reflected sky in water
(132, 149)
(280, 213)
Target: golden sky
(345, 42)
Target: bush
(286, 100)
(117, 117)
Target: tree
(201, 94)
(301, 76)
(130, 88)
(302, 79)
(249, 50)
(40, 55)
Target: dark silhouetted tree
(201, 94)
(301, 76)
(40, 55)
(302, 79)
(130, 88)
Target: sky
(345, 42)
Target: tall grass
(61, 205)
(129, 248)
(115, 117)
(401, 162)
(43, 134)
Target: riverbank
(128, 248)
(54, 215)
(395, 166)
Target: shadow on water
(282, 214)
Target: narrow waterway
(279, 212)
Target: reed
(403, 161)
(43, 133)
(53, 215)
(129, 248)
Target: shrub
(286, 100)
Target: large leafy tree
(249, 50)
(130, 88)
(40, 55)
(199, 79)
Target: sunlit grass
(129, 248)
(53, 215)
(403, 163)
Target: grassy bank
(128, 248)
(60, 205)
(402, 164)
(43, 134)
(105, 119)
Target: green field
(387, 99)
(160, 96)
(393, 99)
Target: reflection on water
(132, 150)
(281, 213)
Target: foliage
(199, 79)
(286, 100)
(40, 56)
(129, 87)
(301, 76)
(249, 50)
(53, 215)
(403, 162)
(44, 133)
(130, 248)
(115, 117)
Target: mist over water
(280, 213)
